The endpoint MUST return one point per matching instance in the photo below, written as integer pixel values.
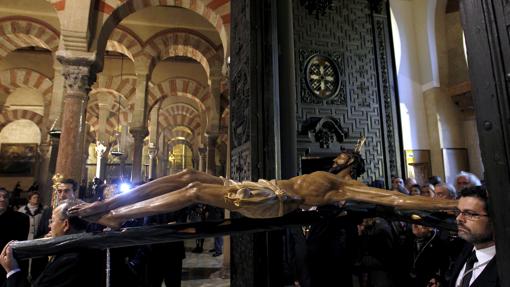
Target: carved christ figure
(262, 199)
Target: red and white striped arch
(111, 125)
(15, 78)
(123, 41)
(168, 120)
(58, 5)
(175, 134)
(181, 109)
(125, 86)
(172, 42)
(194, 126)
(117, 10)
(20, 32)
(112, 121)
(180, 87)
(10, 116)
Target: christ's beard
(338, 168)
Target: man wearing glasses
(476, 265)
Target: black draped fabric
(79, 269)
(423, 259)
(13, 226)
(321, 254)
(165, 260)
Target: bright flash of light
(125, 187)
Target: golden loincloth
(261, 199)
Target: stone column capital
(139, 133)
(142, 75)
(202, 151)
(77, 80)
(54, 140)
(44, 149)
(152, 150)
(212, 138)
(77, 72)
(100, 149)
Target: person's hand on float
(7, 260)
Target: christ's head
(349, 159)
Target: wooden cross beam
(177, 232)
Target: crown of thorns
(360, 144)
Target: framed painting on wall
(17, 159)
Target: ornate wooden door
(486, 24)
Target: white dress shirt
(484, 256)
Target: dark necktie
(469, 266)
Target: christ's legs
(211, 194)
(143, 192)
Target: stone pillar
(139, 124)
(139, 135)
(202, 154)
(100, 154)
(215, 90)
(78, 76)
(211, 153)
(43, 177)
(153, 151)
(54, 141)
(85, 170)
(122, 160)
(57, 97)
(85, 154)
(103, 114)
(2, 103)
(163, 158)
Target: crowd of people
(370, 252)
(357, 252)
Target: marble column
(78, 77)
(139, 135)
(202, 155)
(153, 151)
(100, 156)
(211, 154)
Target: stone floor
(202, 269)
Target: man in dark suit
(13, 225)
(65, 190)
(476, 265)
(69, 269)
